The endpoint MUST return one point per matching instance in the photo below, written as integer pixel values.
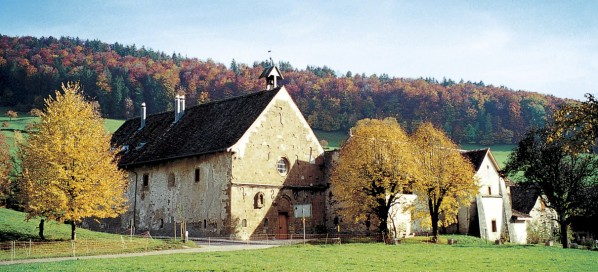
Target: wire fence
(290, 239)
(18, 250)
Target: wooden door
(283, 226)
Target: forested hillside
(121, 77)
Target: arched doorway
(284, 206)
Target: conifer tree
(69, 168)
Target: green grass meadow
(348, 257)
(14, 227)
(500, 152)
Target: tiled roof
(523, 197)
(518, 214)
(476, 157)
(203, 129)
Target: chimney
(143, 116)
(177, 108)
(182, 99)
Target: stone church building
(248, 166)
(251, 167)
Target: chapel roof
(523, 197)
(202, 129)
(476, 157)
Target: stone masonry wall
(278, 134)
(203, 205)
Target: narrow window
(171, 180)
(265, 222)
(205, 224)
(244, 223)
(489, 190)
(196, 174)
(145, 180)
(282, 166)
(258, 200)
(494, 226)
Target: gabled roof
(203, 129)
(271, 71)
(476, 157)
(519, 215)
(524, 197)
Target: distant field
(416, 256)
(334, 138)
(19, 124)
(500, 152)
(112, 125)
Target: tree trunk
(383, 227)
(41, 229)
(564, 239)
(73, 231)
(434, 218)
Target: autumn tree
(446, 181)
(69, 169)
(372, 171)
(567, 180)
(12, 114)
(578, 123)
(5, 168)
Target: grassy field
(349, 257)
(500, 152)
(13, 227)
(334, 138)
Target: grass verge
(19, 240)
(350, 257)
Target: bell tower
(272, 76)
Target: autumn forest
(120, 77)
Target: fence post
(29, 252)
(122, 243)
(73, 246)
(12, 251)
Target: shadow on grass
(16, 236)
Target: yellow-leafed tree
(69, 169)
(446, 181)
(372, 170)
(5, 167)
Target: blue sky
(542, 46)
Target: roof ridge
(213, 102)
